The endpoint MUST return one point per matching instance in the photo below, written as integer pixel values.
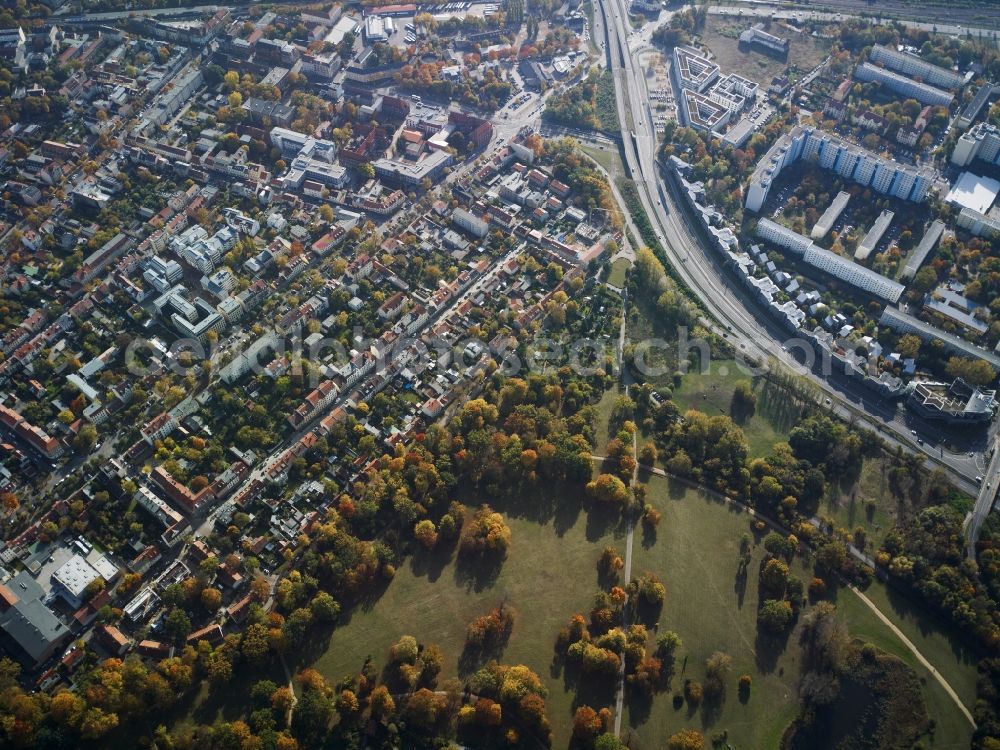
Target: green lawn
(867, 503)
(549, 575)
(604, 407)
(695, 554)
(712, 392)
(608, 158)
(619, 268)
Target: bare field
(721, 36)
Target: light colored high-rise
(838, 266)
(850, 161)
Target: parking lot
(661, 95)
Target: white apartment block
(782, 236)
(470, 222)
(838, 266)
(850, 161)
(982, 142)
(911, 65)
(922, 92)
(978, 223)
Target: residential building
(849, 160)
(922, 92)
(838, 266)
(904, 323)
(830, 216)
(911, 65)
(919, 254)
(982, 142)
(470, 222)
(874, 235)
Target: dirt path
(620, 697)
(913, 649)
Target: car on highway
(979, 480)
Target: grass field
(712, 392)
(868, 503)
(433, 600)
(604, 407)
(934, 640)
(695, 554)
(619, 269)
(608, 158)
(721, 36)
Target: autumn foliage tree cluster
(599, 648)
(486, 534)
(490, 631)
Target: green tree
(972, 371)
(774, 616)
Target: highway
(984, 503)
(701, 272)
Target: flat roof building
(412, 173)
(974, 192)
(850, 161)
(28, 622)
(904, 323)
(838, 266)
(911, 65)
(874, 235)
(927, 243)
(756, 37)
(922, 92)
(73, 577)
(982, 142)
(830, 216)
(693, 71)
(956, 403)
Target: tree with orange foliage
(586, 724)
